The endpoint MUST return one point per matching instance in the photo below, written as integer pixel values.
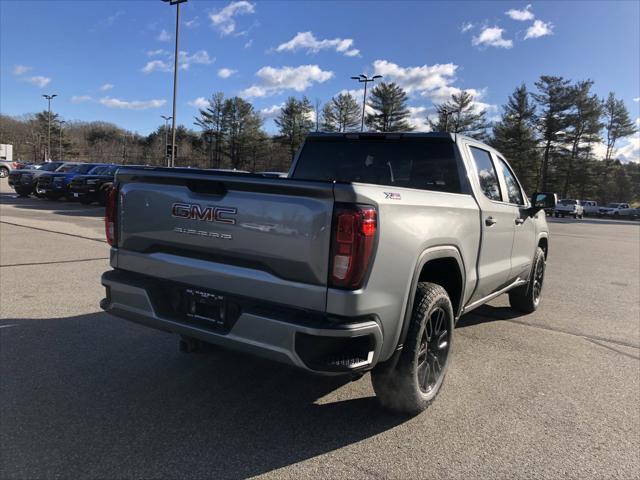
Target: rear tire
(526, 298)
(413, 383)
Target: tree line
(559, 137)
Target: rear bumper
(308, 340)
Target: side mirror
(542, 200)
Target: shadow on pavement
(92, 396)
(487, 313)
(57, 207)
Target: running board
(490, 297)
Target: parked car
(569, 206)
(617, 210)
(55, 185)
(24, 181)
(363, 259)
(8, 166)
(94, 186)
(590, 207)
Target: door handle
(519, 221)
(490, 221)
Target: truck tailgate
(227, 232)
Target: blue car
(55, 185)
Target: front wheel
(415, 380)
(526, 298)
(4, 172)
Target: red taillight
(353, 235)
(17, 165)
(110, 215)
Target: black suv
(94, 186)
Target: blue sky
(112, 60)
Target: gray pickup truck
(363, 258)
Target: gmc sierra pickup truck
(363, 258)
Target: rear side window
(486, 174)
(427, 164)
(513, 189)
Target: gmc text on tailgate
(362, 259)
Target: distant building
(6, 152)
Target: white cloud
(164, 36)
(274, 80)
(492, 37)
(248, 43)
(38, 81)
(201, 57)
(157, 65)
(21, 69)
(307, 41)
(193, 23)
(158, 53)
(226, 72)
(223, 20)
(106, 87)
(418, 119)
(629, 152)
(466, 26)
(80, 98)
(131, 105)
(185, 60)
(522, 15)
(539, 29)
(425, 79)
(271, 112)
(637, 99)
(199, 102)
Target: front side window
(486, 174)
(513, 189)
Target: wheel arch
(436, 264)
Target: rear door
(524, 239)
(497, 223)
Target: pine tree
(295, 122)
(618, 124)
(341, 114)
(242, 124)
(461, 115)
(515, 137)
(211, 120)
(583, 126)
(553, 101)
(389, 103)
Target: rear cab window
(420, 163)
(486, 172)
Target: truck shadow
(56, 207)
(94, 396)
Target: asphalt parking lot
(555, 394)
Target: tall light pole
(49, 98)
(62, 122)
(175, 79)
(166, 137)
(362, 78)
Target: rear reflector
(110, 213)
(353, 236)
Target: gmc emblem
(204, 214)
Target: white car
(569, 206)
(617, 210)
(590, 207)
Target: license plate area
(209, 309)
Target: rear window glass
(425, 164)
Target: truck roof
(355, 135)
